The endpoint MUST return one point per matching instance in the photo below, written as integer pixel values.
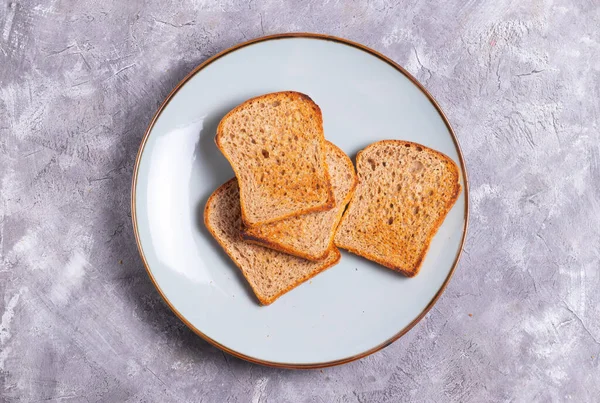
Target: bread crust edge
(328, 204)
(261, 300)
(415, 270)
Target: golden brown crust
(262, 299)
(326, 205)
(435, 228)
(277, 235)
(412, 271)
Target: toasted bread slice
(276, 147)
(269, 272)
(311, 235)
(404, 192)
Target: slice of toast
(276, 146)
(270, 273)
(311, 235)
(404, 192)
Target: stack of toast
(296, 197)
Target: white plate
(350, 310)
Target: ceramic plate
(344, 313)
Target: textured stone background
(79, 82)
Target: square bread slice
(403, 195)
(311, 235)
(276, 146)
(269, 272)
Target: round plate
(344, 313)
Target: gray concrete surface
(81, 322)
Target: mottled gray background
(81, 321)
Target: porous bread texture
(276, 146)
(404, 192)
(311, 235)
(270, 273)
